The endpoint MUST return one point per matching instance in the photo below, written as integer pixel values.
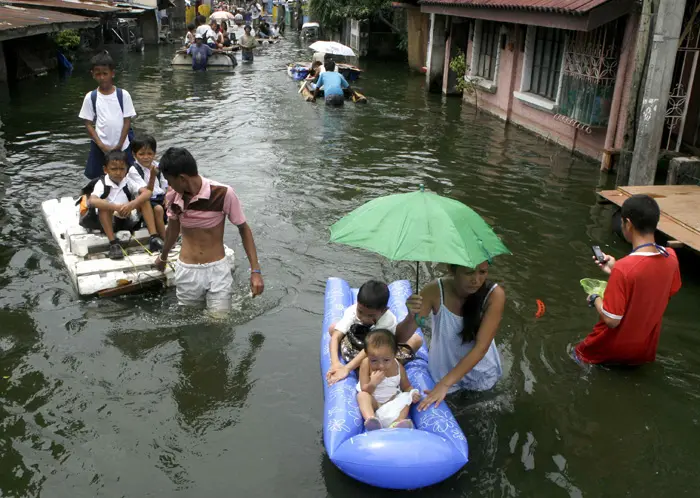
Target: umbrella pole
(417, 273)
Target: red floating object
(540, 309)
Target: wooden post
(630, 24)
(436, 53)
(3, 66)
(662, 59)
(641, 48)
(449, 29)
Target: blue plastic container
(387, 458)
(298, 73)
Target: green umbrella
(420, 226)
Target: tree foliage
(68, 39)
(459, 65)
(331, 13)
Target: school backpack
(120, 99)
(142, 174)
(86, 192)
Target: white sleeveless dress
(447, 349)
(387, 388)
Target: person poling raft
(331, 85)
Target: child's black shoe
(115, 250)
(155, 243)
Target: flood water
(132, 396)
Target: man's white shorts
(210, 283)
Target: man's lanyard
(659, 248)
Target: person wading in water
(196, 208)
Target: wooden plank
(95, 243)
(685, 203)
(138, 261)
(133, 287)
(614, 196)
(657, 191)
(680, 202)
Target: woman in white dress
(466, 310)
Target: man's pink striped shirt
(208, 208)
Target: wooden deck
(680, 210)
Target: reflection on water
(134, 396)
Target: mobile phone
(598, 254)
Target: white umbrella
(332, 48)
(221, 15)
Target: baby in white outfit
(384, 392)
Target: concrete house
(560, 68)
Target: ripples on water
(133, 396)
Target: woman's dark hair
(190, 27)
(381, 337)
(373, 294)
(178, 161)
(471, 311)
(141, 141)
(115, 155)
(102, 59)
(330, 66)
(643, 212)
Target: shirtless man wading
(196, 207)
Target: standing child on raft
(107, 113)
(382, 381)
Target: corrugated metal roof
(557, 6)
(98, 7)
(12, 17)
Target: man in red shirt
(638, 291)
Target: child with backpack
(111, 202)
(145, 168)
(107, 112)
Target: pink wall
(504, 105)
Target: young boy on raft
(145, 169)
(370, 312)
(107, 113)
(382, 381)
(115, 197)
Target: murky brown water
(134, 397)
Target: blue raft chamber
(386, 458)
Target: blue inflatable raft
(387, 458)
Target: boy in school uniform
(107, 112)
(115, 197)
(145, 168)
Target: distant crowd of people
(202, 39)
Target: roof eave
(51, 27)
(555, 18)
